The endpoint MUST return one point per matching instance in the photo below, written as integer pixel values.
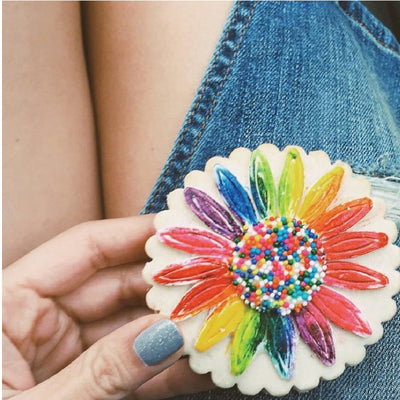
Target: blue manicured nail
(158, 342)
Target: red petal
(341, 311)
(353, 276)
(353, 244)
(191, 271)
(204, 295)
(316, 332)
(342, 217)
(195, 241)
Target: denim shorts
(321, 75)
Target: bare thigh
(146, 60)
(50, 176)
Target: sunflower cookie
(278, 266)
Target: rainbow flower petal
(280, 342)
(249, 334)
(349, 275)
(321, 195)
(317, 333)
(341, 311)
(222, 321)
(196, 241)
(353, 244)
(191, 270)
(212, 213)
(291, 184)
(342, 217)
(262, 185)
(203, 295)
(235, 195)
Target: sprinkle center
(277, 264)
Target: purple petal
(212, 213)
(316, 332)
(235, 195)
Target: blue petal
(280, 343)
(235, 195)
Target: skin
(50, 174)
(145, 60)
(61, 333)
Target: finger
(106, 292)
(117, 364)
(177, 380)
(12, 361)
(69, 259)
(94, 331)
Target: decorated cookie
(277, 265)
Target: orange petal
(342, 217)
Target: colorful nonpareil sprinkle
(277, 264)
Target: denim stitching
(363, 25)
(219, 88)
(370, 32)
(217, 65)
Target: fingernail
(158, 342)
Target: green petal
(291, 184)
(248, 336)
(262, 185)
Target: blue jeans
(321, 75)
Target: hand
(68, 333)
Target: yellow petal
(291, 184)
(220, 323)
(321, 195)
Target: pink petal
(341, 311)
(196, 241)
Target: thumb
(117, 364)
